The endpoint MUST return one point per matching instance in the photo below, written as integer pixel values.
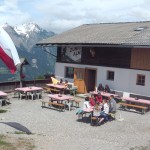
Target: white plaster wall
(120, 83)
(60, 68)
(125, 79)
(144, 90)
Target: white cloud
(10, 12)
(62, 15)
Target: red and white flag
(8, 52)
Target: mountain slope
(25, 37)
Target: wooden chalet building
(117, 54)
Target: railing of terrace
(10, 86)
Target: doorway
(85, 79)
(90, 79)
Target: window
(110, 75)
(79, 75)
(140, 79)
(69, 72)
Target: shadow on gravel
(18, 126)
(84, 120)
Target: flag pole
(21, 75)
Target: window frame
(109, 76)
(65, 72)
(140, 79)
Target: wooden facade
(101, 56)
(140, 59)
(136, 58)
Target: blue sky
(62, 15)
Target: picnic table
(86, 111)
(105, 94)
(28, 89)
(138, 102)
(72, 89)
(60, 98)
(3, 94)
(56, 88)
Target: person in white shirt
(86, 103)
(97, 110)
(104, 113)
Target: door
(90, 79)
(79, 79)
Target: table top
(104, 94)
(56, 86)
(88, 110)
(3, 93)
(28, 89)
(60, 98)
(131, 99)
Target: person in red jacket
(99, 98)
(92, 100)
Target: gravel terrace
(54, 130)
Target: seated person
(86, 103)
(99, 98)
(107, 89)
(112, 104)
(54, 80)
(60, 82)
(104, 113)
(100, 87)
(92, 100)
(66, 83)
(97, 110)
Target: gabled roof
(129, 33)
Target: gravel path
(54, 130)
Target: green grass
(19, 132)
(3, 111)
(28, 144)
(5, 145)
(20, 143)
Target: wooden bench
(134, 106)
(54, 90)
(50, 90)
(47, 89)
(77, 102)
(60, 106)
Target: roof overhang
(124, 45)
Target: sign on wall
(71, 54)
